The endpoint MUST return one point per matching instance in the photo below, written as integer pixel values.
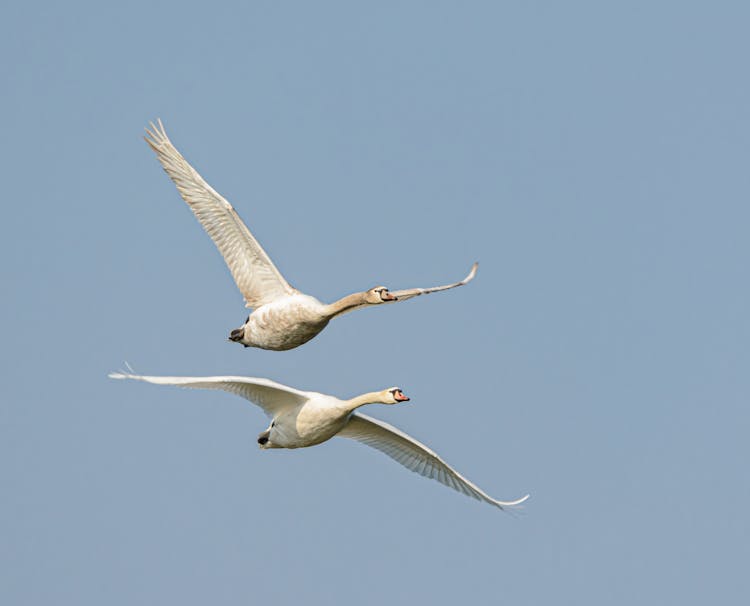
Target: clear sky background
(593, 157)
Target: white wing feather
(253, 271)
(404, 295)
(272, 397)
(415, 456)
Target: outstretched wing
(272, 397)
(403, 295)
(255, 274)
(415, 456)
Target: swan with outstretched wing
(282, 318)
(306, 418)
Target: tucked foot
(237, 335)
(263, 437)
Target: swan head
(393, 395)
(379, 294)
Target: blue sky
(592, 157)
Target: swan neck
(373, 397)
(348, 303)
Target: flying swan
(306, 418)
(283, 317)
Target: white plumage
(283, 318)
(305, 418)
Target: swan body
(283, 324)
(282, 318)
(306, 418)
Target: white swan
(283, 318)
(305, 418)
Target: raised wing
(255, 274)
(272, 397)
(415, 456)
(403, 295)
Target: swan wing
(415, 456)
(404, 295)
(272, 397)
(253, 271)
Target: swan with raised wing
(306, 418)
(283, 317)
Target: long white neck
(373, 397)
(348, 303)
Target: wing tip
(472, 273)
(129, 373)
(155, 134)
(122, 375)
(512, 504)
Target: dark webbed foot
(263, 437)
